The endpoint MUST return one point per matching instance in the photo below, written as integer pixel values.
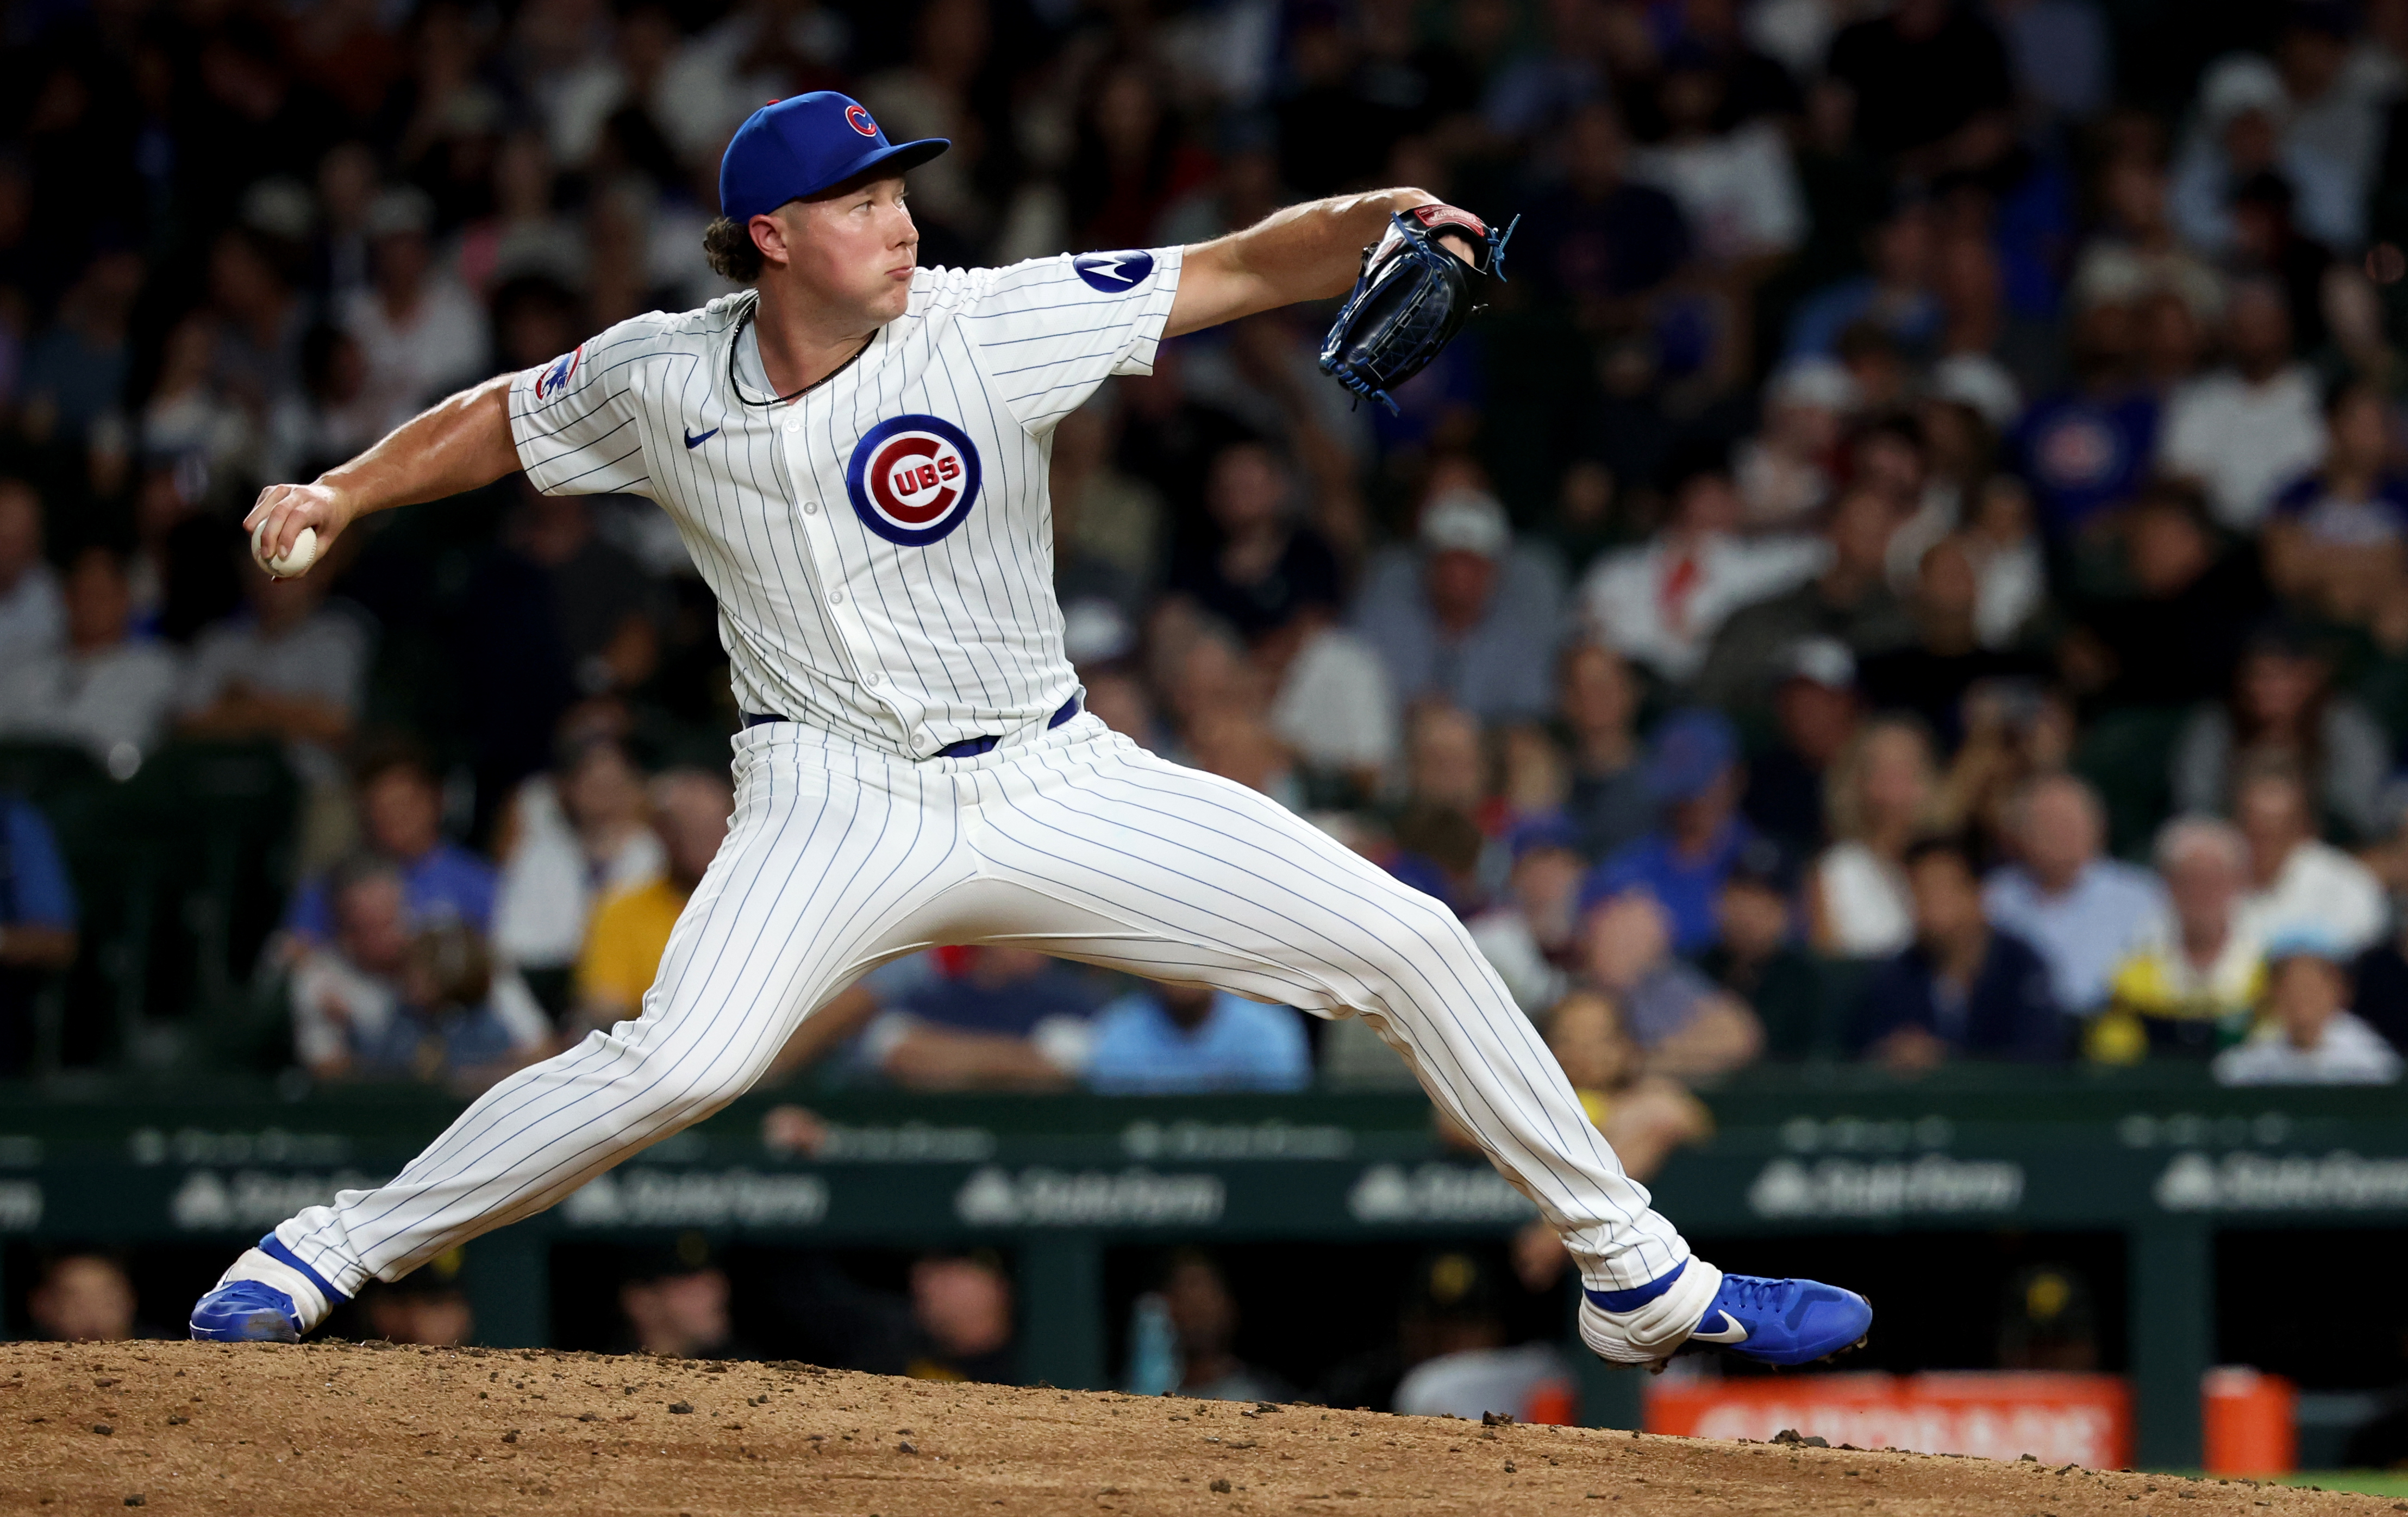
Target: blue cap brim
(899, 158)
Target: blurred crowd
(1913, 565)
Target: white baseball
(292, 564)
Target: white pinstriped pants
(1075, 842)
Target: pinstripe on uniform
(851, 845)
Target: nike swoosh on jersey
(1732, 1331)
(694, 440)
(1111, 268)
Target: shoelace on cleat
(1753, 1294)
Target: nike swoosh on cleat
(1732, 1331)
(693, 441)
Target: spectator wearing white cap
(419, 331)
(2307, 1035)
(1456, 638)
(1784, 472)
(2248, 123)
(1981, 381)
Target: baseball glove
(1411, 298)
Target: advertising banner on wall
(2056, 1418)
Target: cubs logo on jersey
(1113, 272)
(913, 478)
(552, 381)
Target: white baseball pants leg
(1074, 842)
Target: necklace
(737, 386)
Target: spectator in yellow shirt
(630, 931)
(2194, 989)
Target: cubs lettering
(914, 479)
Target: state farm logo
(914, 479)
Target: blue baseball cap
(1691, 751)
(1548, 829)
(804, 144)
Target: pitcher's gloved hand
(1411, 298)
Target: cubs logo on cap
(555, 379)
(914, 479)
(804, 144)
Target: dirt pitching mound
(192, 1427)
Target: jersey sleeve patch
(556, 375)
(1049, 331)
(574, 420)
(1114, 273)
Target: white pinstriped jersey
(882, 547)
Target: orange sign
(2000, 1414)
(2251, 1422)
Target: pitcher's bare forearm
(463, 443)
(1310, 251)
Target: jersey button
(811, 508)
(836, 596)
(876, 678)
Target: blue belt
(967, 747)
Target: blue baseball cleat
(269, 1295)
(1783, 1322)
(246, 1312)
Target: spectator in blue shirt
(449, 1028)
(1896, 296)
(38, 925)
(1457, 634)
(990, 1019)
(401, 814)
(1161, 1040)
(1964, 988)
(2083, 913)
(1600, 240)
(2326, 523)
(2088, 448)
(1694, 777)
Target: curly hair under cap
(732, 253)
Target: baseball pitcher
(855, 451)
